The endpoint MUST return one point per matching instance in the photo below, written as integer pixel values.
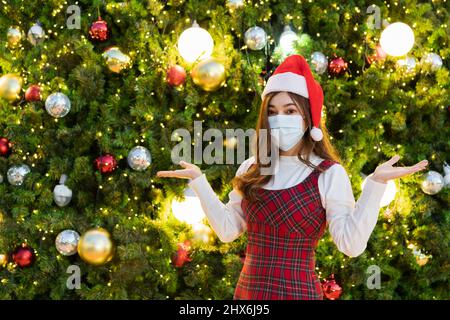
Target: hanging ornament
(337, 66)
(61, 193)
(255, 38)
(14, 35)
(287, 40)
(182, 254)
(5, 147)
(420, 257)
(378, 55)
(195, 43)
(96, 247)
(98, 30)
(407, 64)
(202, 233)
(446, 175)
(67, 242)
(189, 209)
(139, 158)
(10, 87)
(209, 74)
(36, 34)
(24, 256)
(397, 39)
(432, 182)
(106, 163)
(431, 61)
(331, 289)
(33, 93)
(389, 192)
(116, 60)
(16, 174)
(319, 62)
(234, 4)
(3, 259)
(57, 105)
(176, 76)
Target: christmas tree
(84, 84)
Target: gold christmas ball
(14, 35)
(96, 247)
(116, 60)
(10, 87)
(3, 259)
(209, 74)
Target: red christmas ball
(106, 163)
(331, 289)
(5, 147)
(33, 93)
(176, 75)
(182, 255)
(98, 30)
(378, 55)
(24, 256)
(337, 66)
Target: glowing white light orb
(195, 43)
(397, 39)
(287, 39)
(188, 210)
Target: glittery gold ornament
(14, 35)
(3, 259)
(10, 87)
(209, 74)
(96, 246)
(116, 60)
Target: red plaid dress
(283, 232)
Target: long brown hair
(249, 183)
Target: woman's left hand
(386, 171)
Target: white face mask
(286, 131)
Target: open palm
(387, 171)
(190, 171)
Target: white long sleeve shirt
(350, 224)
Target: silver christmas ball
(67, 242)
(319, 61)
(139, 158)
(62, 194)
(432, 182)
(16, 174)
(57, 105)
(255, 38)
(408, 64)
(36, 34)
(431, 61)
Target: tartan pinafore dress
(283, 232)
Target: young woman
(286, 213)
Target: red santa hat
(294, 75)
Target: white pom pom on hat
(294, 75)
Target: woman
(286, 212)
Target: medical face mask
(286, 131)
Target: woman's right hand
(190, 171)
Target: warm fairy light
(397, 39)
(195, 43)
